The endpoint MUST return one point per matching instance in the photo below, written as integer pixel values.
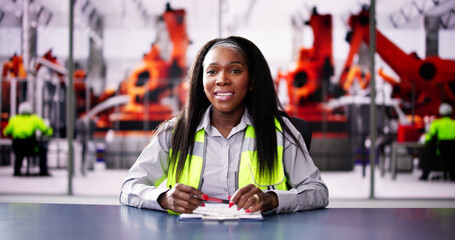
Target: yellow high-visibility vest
(23, 126)
(443, 128)
(248, 170)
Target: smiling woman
(231, 141)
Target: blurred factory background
(130, 58)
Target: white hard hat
(445, 109)
(25, 107)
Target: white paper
(216, 211)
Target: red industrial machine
(48, 56)
(147, 84)
(79, 76)
(356, 73)
(433, 78)
(14, 68)
(152, 81)
(152, 93)
(313, 68)
(423, 83)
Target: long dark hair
(262, 103)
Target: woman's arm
(308, 190)
(139, 189)
(145, 185)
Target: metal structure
(418, 8)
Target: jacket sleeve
(9, 128)
(39, 124)
(308, 190)
(139, 188)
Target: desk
(63, 221)
(393, 158)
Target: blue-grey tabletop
(76, 221)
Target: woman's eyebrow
(230, 63)
(234, 62)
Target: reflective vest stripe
(196, 162)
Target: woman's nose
(223, 79)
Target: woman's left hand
(253, 199)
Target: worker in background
(441, 139)
(22, 128)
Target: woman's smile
(224, 95)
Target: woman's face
(225, 79)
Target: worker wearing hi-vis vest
(441, 136)
(230, 142)
(22, 128)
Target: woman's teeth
(224, 94)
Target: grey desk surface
(65, 221)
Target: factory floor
(347, 188)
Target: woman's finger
(243, 197)
(183, 198)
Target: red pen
(212, 199)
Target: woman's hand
(181, 198)
(253, 199)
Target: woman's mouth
(223, 96)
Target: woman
(230, 141)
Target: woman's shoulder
(162, 134)
(288, 123)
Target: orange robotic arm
(431, 76)
(314, 65)
(176, 25)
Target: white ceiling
(132, 8)
(335, 7)
(143, 11)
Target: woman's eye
(236, 71)
(211, 72)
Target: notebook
(220, 212)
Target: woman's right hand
(181, 198)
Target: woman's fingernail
(248, 211)
(205, 197)
(202, 204)
(229, 197)
(231, 204)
